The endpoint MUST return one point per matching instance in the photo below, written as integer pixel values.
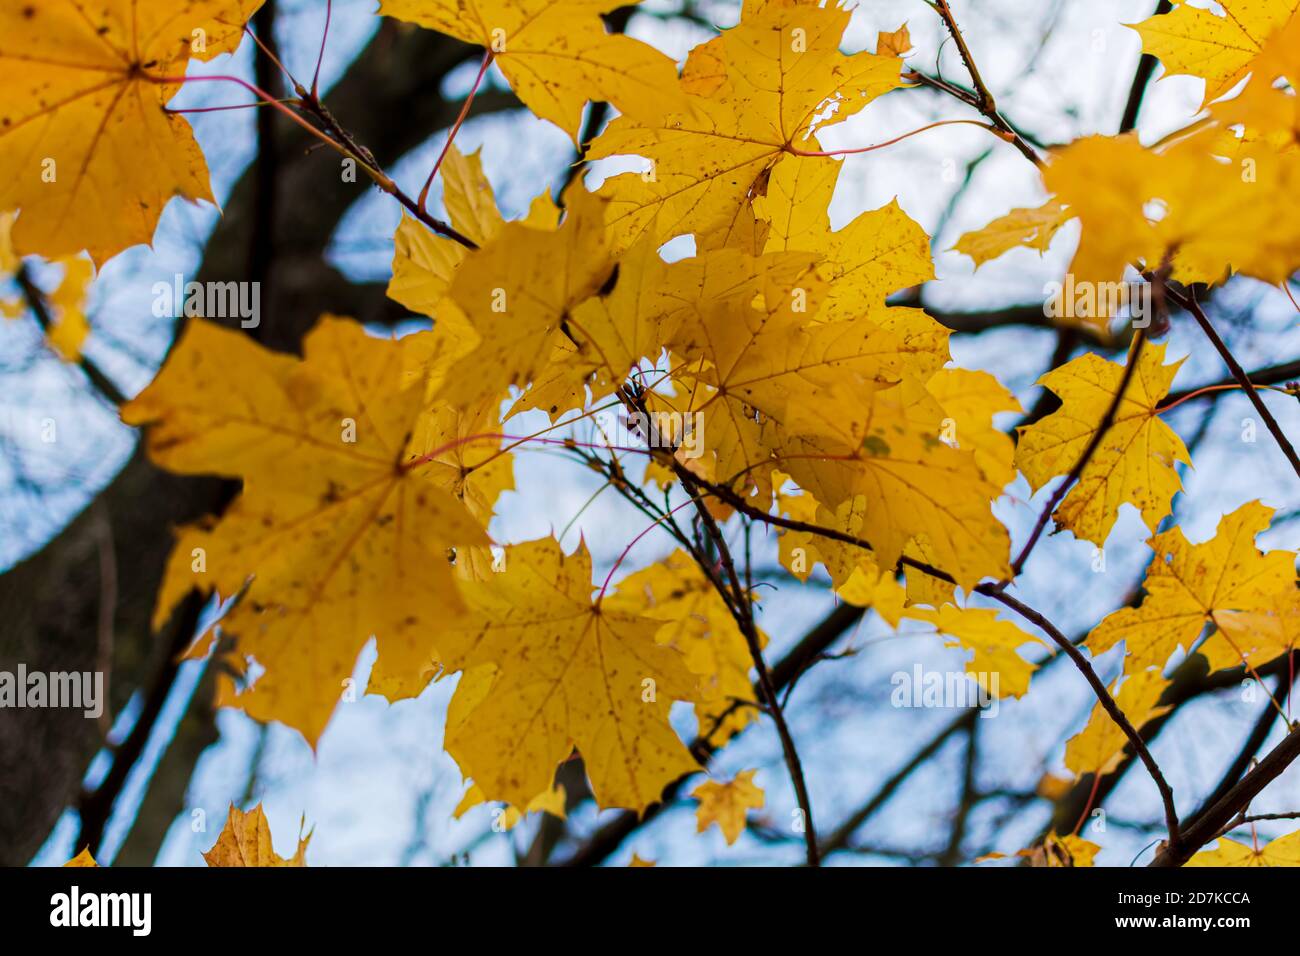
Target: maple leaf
(854, 573)
(1027, 227)
(880, 252)
(1136, 460)
(1062, 851)
(344, 521)
(617, 328)
(245, 841)
(1263, 634)
(1099, 747)
(972, 399)
(1188, 585)
(1284, 851)
(638, 862)
(698, 623)
(517, 292)
(1219, 49)
(895, 43)
(756, 94)
(1265, 108)
(995, 663)
(751, 361)
(83, 859)
(881, 452)
(550, 801)
(1054, 851)
(1181, 205)
(70, 328)
(726, 803)
(567, 673)
(424, 263)
(79, 90)
(556, 54)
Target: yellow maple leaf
(1284, 851)
(853, 571)
(1053, 787)
(881, 451)
(1187, 585)
(995, 663)
(424, 263)
(517, 292)
(245, 841)
(698, 623)
(1062, 851)
(972, 399)
(895, 43)
(78, 105)
(70, 328)
(1267, 108)
(556, 54)
(1024, 228)
(614, 330)
(757, 93)
(566, 673)
(1136, 460)
(1219, 49)
(549, 801)
(752, 363)
(880, 252)
(344, 523)
(66, 305)
(638, 862)
(1263, 634)
(1054, 851)
(1180, 205)
(726, 803)
(83, 859)
(1100, 745)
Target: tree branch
(1103, 696)
(1188, 302)
(983, 100)
(1213, 821)
(1098, 436)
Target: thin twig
(1189, 303)
(1094, 443)
(1141, 80)
(741, 605)
(1103, 696)
(423, 198)
(983, 99)
(39, 305)
(997, 592)
(320, 57)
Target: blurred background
(84, 522)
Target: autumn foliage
(778, 377)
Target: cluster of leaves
(370, 468)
